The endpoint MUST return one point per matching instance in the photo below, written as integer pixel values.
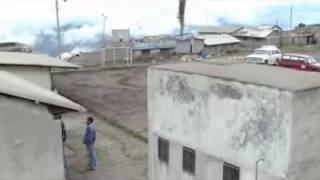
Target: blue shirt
(90, 135)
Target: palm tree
(182, 7)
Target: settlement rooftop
(270, 76)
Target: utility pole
(103, 30)
(257, 166)
(58, 28)
(290, 25)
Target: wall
(92, 59)
(305, 154)
(30, 140)
(183, 46)
(38, 75)
(120, 34)
(197, 45)
(230, 121)
(222, 49)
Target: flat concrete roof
(264, 75)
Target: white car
(265, 55)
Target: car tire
(266, 62)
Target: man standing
(89, 140)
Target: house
(30, 135)
(300, 37)
(255, 38)
(216, 44)
(232, 122)
(220, 30)
(15, 47)
(313, 28)
(120, 35)
(269, 27)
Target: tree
(301, 25)
(182, 7)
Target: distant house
(15, 47)
(315, 29)
(216, 44)
(299, 37)
(255, 38)
(269, 27)
(31, 143)
(219, 30)
(120, 35)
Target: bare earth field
(118, 94)
(119, 155)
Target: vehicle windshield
(311, 60)
(261, 52)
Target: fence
(114, 55)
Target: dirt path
(120, 156)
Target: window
(230, 172)
(189, 160)
(163, 150)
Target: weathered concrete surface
(30, 141)
(118, 94)
(229, 121)
(119, 155)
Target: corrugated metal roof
(30, 59)
(18, 87)
(218, 29)
(254, 33)
(216, 39)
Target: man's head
(90, 120)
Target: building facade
(225, 121)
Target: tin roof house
(31, 144)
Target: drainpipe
(257, 166)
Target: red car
(300, 62)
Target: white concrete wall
(305, 146)
(38, 75)
(234, 122)
(183, 46)
(30, 141)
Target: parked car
(265, 54)
(299, 61)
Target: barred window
(189, 160)
(230, 172)
(163, 150)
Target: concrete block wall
(31, 144)
(231, 121)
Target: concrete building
(216, 44)
(255, 38)
(221, 122)
(120, 35)
(15, 47)
(31, 142)
(313, 28)
(297, 37)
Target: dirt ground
(119, 155)
(118, 94)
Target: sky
(34, 21)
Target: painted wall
(234, 122)
(38, 75)
(305, 146)
(183, 46)
(30, 141)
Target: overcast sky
(25, 20)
